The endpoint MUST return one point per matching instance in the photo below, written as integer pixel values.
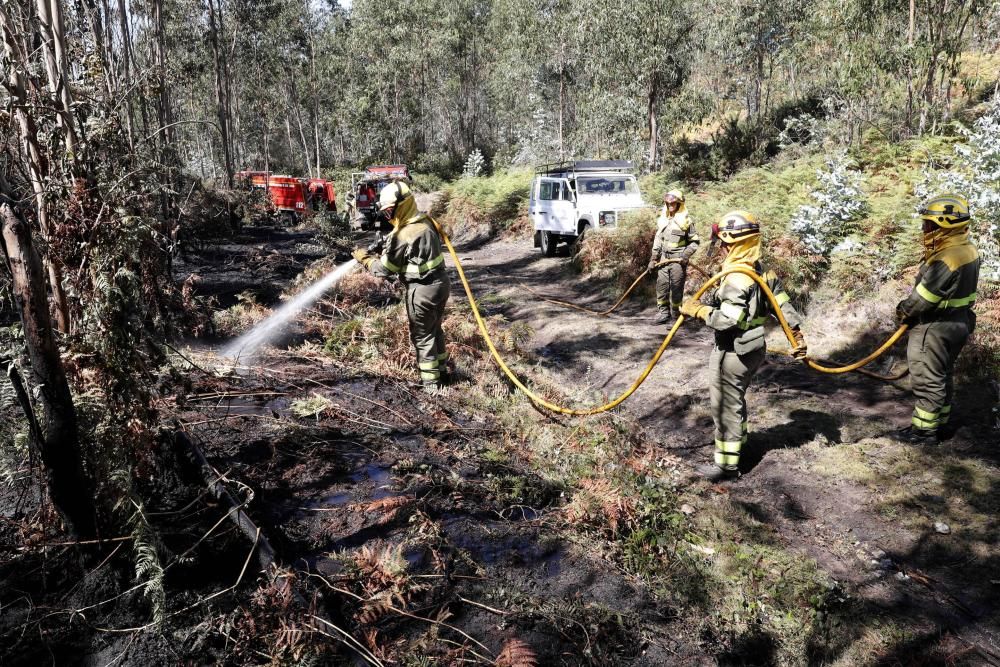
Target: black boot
(664, 317)
(917, 436)
(713, 473)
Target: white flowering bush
(975, 173)
(801, 130)
(839, 200)
(474, 164)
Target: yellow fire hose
(663, 346)
(621, 300)
(635, 283)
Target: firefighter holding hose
(676, 240)
(737, 315)
(939, 312)
(412, 251)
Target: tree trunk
(69, 487)
(654, 91)
(220, 92)
(54, 52)
(37, 165)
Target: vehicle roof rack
(584, 166)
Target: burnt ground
(819, 469)
(404, 520)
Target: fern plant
(146, 547)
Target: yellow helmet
(673, 196)
(736, 226)
(947, 211)
(392, 194)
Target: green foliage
(146, 547)
(975, 173)
(481, 207)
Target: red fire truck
(293, 198)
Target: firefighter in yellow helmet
(939, 310)
(737, 314)
(676, 239)
(412, 251)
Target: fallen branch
(24, 400)
(265, 554)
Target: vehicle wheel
(548, 243)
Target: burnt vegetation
(163, 504)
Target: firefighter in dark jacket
(939, 312)
(737, 314)
(676, 239)
(412, 251)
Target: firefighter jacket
(740, 307)
(946, 282)
(412, 250)
(675, 236)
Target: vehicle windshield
(607, 185)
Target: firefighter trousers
(670, 286)
(931, 352)
(729, 377)
(425, 304)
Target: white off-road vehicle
(569, 198)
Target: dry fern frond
(373, 610)
(599, 502)
(389, 507)
(516, 653)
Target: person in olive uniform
(676, 239)
(737, 315)
(413, 252)
(939, 312)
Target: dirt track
(807, 430)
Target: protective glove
(901, 316)
(377, 245)
(652, 265)
(361, 255)
(694, 308)
(799, 350)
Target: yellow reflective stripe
(958, 303)
(662, 303)
(677, 244)
(923, 414)
(727, 459)
(926, 425)
(429, 365)
(442, 357)
(757, 322)
(430, 375)
(429, 265)
(928, 295)
(732, 311)
(384, 259)
(782, 298)
(728, 446)
(945, 410)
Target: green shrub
(480, 208)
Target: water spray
(246, 346)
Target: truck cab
(569, 198)
(365, 186)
